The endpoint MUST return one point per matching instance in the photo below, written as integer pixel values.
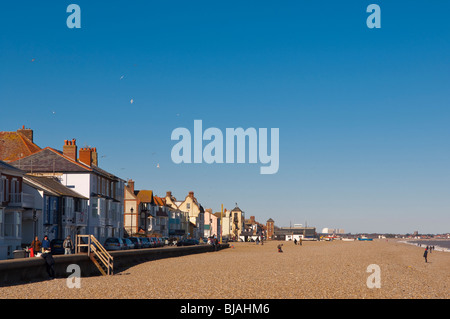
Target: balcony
(15, 199)
(21, 200)
(81, 219)
(75, 219)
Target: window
(6, 190)
(2, 188)
(94, 206)
(15, 195)
(12, 224)
(46, 210)
(1, 222)
(188, 205)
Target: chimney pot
(70, 150)
(26, 132)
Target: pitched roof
(8, 167)
(14, 145)
(49, 160)
(53, 185)
(159, 201)
(145, 196)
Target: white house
(11, 209)
(104, 190)
(58, 210)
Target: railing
(21, 200)
(15, 199)
(97, 253)
(81, 218)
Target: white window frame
(16, 225)
(2, 189)
(1, 222)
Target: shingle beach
(317, 270)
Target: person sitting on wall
(49, 263)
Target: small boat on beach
(363, 238)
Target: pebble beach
(314, 270)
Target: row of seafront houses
(65, 193)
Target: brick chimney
(131, 185)
(85, 156)
(26, 132)
(191, 194)
(70, 149)
(94, 156)
(168, 194)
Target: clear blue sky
(363, 113)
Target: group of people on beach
(45, 252)
(299, 242)
(41, 247)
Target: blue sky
(363, 113)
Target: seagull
(122, 77)
(157, 165)
(33, 59)
(53, 112)
(131, 101)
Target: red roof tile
(14, 145)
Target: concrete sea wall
(22, 270)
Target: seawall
(15, 271)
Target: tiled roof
(145, 196)
(49, 160)
(14, 145)
(159, 201)
(6, 166)
(53, 185)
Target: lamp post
(131, 230)
(221, 218)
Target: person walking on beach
(425, 254)
(295, 241)
(67, 244)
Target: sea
(439, 244)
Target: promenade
(314, 270)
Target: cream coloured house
(193, 212)
(233, 223)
